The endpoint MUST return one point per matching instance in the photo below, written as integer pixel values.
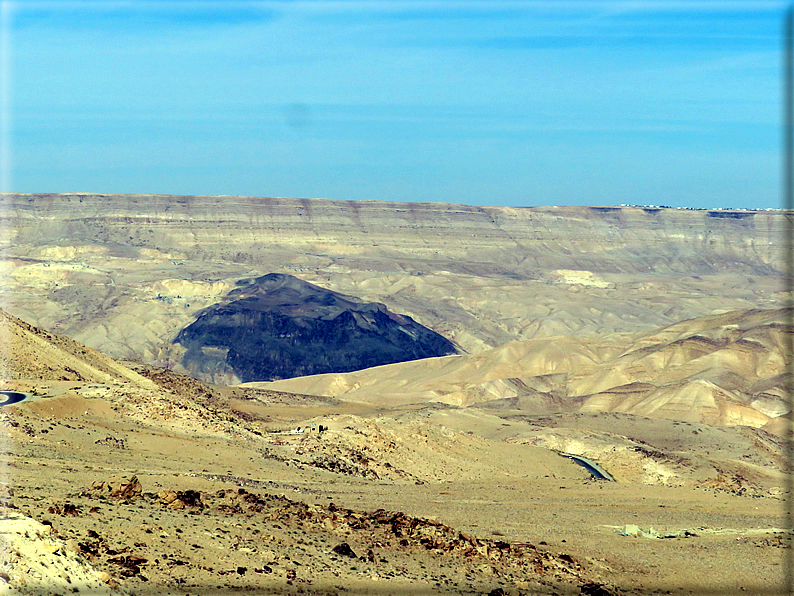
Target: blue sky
(480, 102)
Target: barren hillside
(157, 484)
(650, 341)
(125, 273)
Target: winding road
(12, 397)
(597, 471)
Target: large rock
(119, 488)
(278, 327)
(35, 562)
(173, 499)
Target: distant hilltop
(278, 326)
(125, 274)
(236, 228)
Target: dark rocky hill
(278, 327)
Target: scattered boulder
(130, 565)
(595, 589)
(170, 499)
(111, 441)
(119, 488)
(634, 530)
(345, 550)
(174, 499)
(65, 509)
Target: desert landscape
(652, 342)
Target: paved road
(12, 397)
(592, 467)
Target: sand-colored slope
(37, 563)
(744, 343)
(231, 499)
(657, 451)
(27, 352)
(456, 380)
(691, 401)
(721, 370)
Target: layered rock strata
(125, 273)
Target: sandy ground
(229, 501)
(117, 476)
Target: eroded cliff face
(529, 240)
(124, 273)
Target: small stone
(268, 556)
(73, 545)
(344, 550)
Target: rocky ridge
(278, 326)
(125, 273)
